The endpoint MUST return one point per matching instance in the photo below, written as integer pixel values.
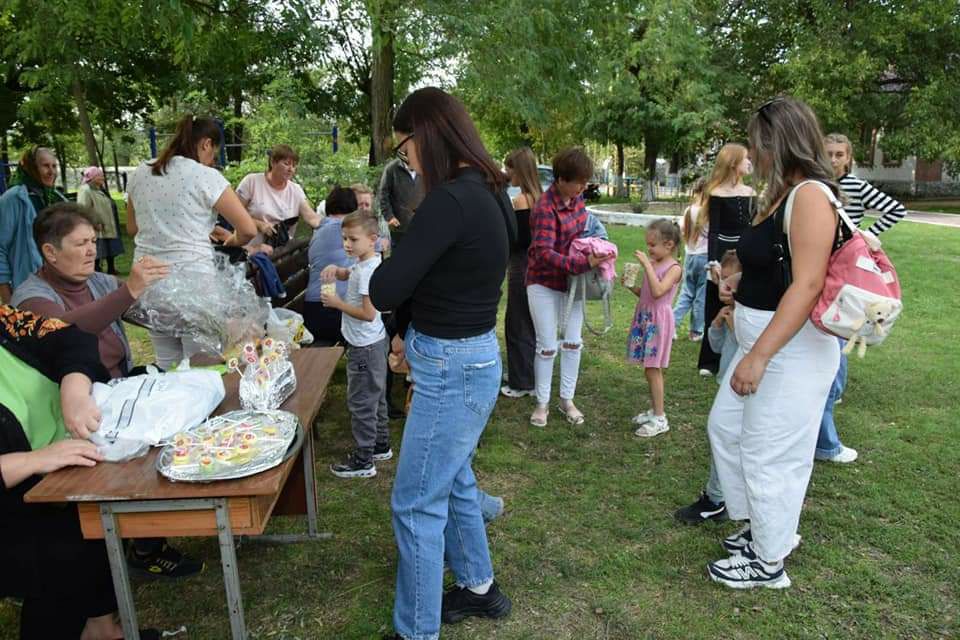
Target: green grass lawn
(588, 548)
(937, 206)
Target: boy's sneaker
(739, 541)
(746, 571)
(656, 426)
(705, 373)
(846, 455)
(460, 603)
(510, 392)
(165, 563)
(642, 418)
(354, 467)
(382, 452)
(703, 510)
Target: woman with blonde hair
(764, 421)
(726, 207)
(521, 166)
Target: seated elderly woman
(46, 371)
(67, 287)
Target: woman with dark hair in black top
(764, 422)
(444, 282)
(46, 370)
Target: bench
(293, 268)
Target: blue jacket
(19, 256)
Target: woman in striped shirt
(861, 196)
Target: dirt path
(931, 217)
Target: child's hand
(329, 273)
(331, 300)
(641, 257)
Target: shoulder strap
(837, 206)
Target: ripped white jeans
(546, 306)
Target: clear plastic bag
(284, 325)
(212, 303)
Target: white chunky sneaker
(747, 571)
(656, 426)
(846, 455)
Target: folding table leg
(118, 569)
(231, 576)
(310, 487)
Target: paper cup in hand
(630, 272)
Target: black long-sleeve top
(451, 264)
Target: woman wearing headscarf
(32, 190)
(94, 197)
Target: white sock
(482, 589)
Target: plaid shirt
(554, 226)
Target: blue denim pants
(693, 296)
(828, 441)
(436, 510)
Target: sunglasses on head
(762, 109)
(399, 152)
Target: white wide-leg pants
(763, 443)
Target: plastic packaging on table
(232, 445)
(212, 303)
(284, 325)
(141, 411)
(267, 378)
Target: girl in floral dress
(651, 334)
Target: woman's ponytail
(190, 132)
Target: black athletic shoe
(354, 467)
(165, 563)
(382, 452)
(460, 603)
(703, 510)
(395, 413)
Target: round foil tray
(290, 440)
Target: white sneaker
(656, 426)
(736, 543)
(845, 456)
(642, 418)
(747, 571)
(706, 373)
(510, 392)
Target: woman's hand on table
(66, 453)
(81, 416)
(145, 271)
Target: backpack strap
(571, 298)
(834, 202)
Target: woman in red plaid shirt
(558, 219)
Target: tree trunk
(116, 165)
(235, 135)
(5, 157)
(650, 151)
(383, 23)
(89, 140)
(619, 191)
(62, 160)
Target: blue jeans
(436, 509)
(828, 441)
(692, 297)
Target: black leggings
(62, 578)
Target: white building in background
(911, 177)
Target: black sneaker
(703, 510)
(354, 467)
(746, 571)
(165, 563)
(460, 603)
(382, 452)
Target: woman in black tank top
(764, 422)
(728, 208)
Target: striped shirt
(863, 196)
(553, 227)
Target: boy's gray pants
(367, 397)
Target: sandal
(539, 421)
(574, 417)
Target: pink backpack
(860, 300)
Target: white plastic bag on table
(141, 411)
(212, 303)
(286, 326)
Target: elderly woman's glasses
(399, 152)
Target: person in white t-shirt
(273, 199)
(172, 208)
(367, 348)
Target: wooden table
(132, 500)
